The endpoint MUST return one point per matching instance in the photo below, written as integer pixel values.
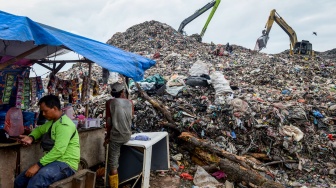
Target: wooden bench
(82, 179)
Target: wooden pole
(21, 56)
(236, 167)
(88, 89)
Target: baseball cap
(117, 87)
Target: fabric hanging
(74, 90)
(95, 88)
(19, 92)
(26, 93)
(53, 81)
(85, 89)
(40, 89)
(10, 79)
(34, 89)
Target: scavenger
(119, 113)
(60, 142)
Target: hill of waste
(280, 107)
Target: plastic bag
(204, 179)
(175, 84)
(197, 81)
(291, 131)
(69, 111)
(141, 137)
(14, 122)
(239, 105)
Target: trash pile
(280, 107)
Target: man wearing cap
(119, 113)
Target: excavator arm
(274, 16)
(199, 12)
(303, 48)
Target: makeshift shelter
(22, 38)
(23, 43)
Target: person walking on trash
(60, 142)
(119, 114)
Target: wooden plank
(21, 56)
(90, 179)
(7, 167)
(3, 145)
(58, 68)
(81, 179)
(78, 182)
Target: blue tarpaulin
(18, 34)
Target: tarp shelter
(22, 38)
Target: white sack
(220, 84)
(199, 68)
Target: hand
(32, 170)
(26, 140)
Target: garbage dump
(273, 115)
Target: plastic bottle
(69, 111)
(14, 122)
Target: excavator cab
(304, 48)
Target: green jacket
(64, 150)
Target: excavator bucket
(262, 41)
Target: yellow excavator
(200, 11)
(304, 47)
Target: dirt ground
(167, 181)
(170, 182)
(156, 181)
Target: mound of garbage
(272, 115)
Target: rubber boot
(114, 181)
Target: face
(48, 113)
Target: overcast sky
(238, 22)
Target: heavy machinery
(200, 11)
(304, 47)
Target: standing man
(119, 113)
(61, 158)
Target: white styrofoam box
(89, 123)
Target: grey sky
(237, 22)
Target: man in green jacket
(61, 161)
